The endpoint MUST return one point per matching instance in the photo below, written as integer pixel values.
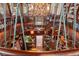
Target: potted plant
(28, 40)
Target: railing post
(55, 13)
(22, 27)
(64, 18)
(11, 7)
(59, 28)
(74, 26)
(4, 16)
(15, 25)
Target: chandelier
(39, 9)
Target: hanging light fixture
(39, 9)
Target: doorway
(39, 42)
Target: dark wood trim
(12, 52)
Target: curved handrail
(12, 52)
